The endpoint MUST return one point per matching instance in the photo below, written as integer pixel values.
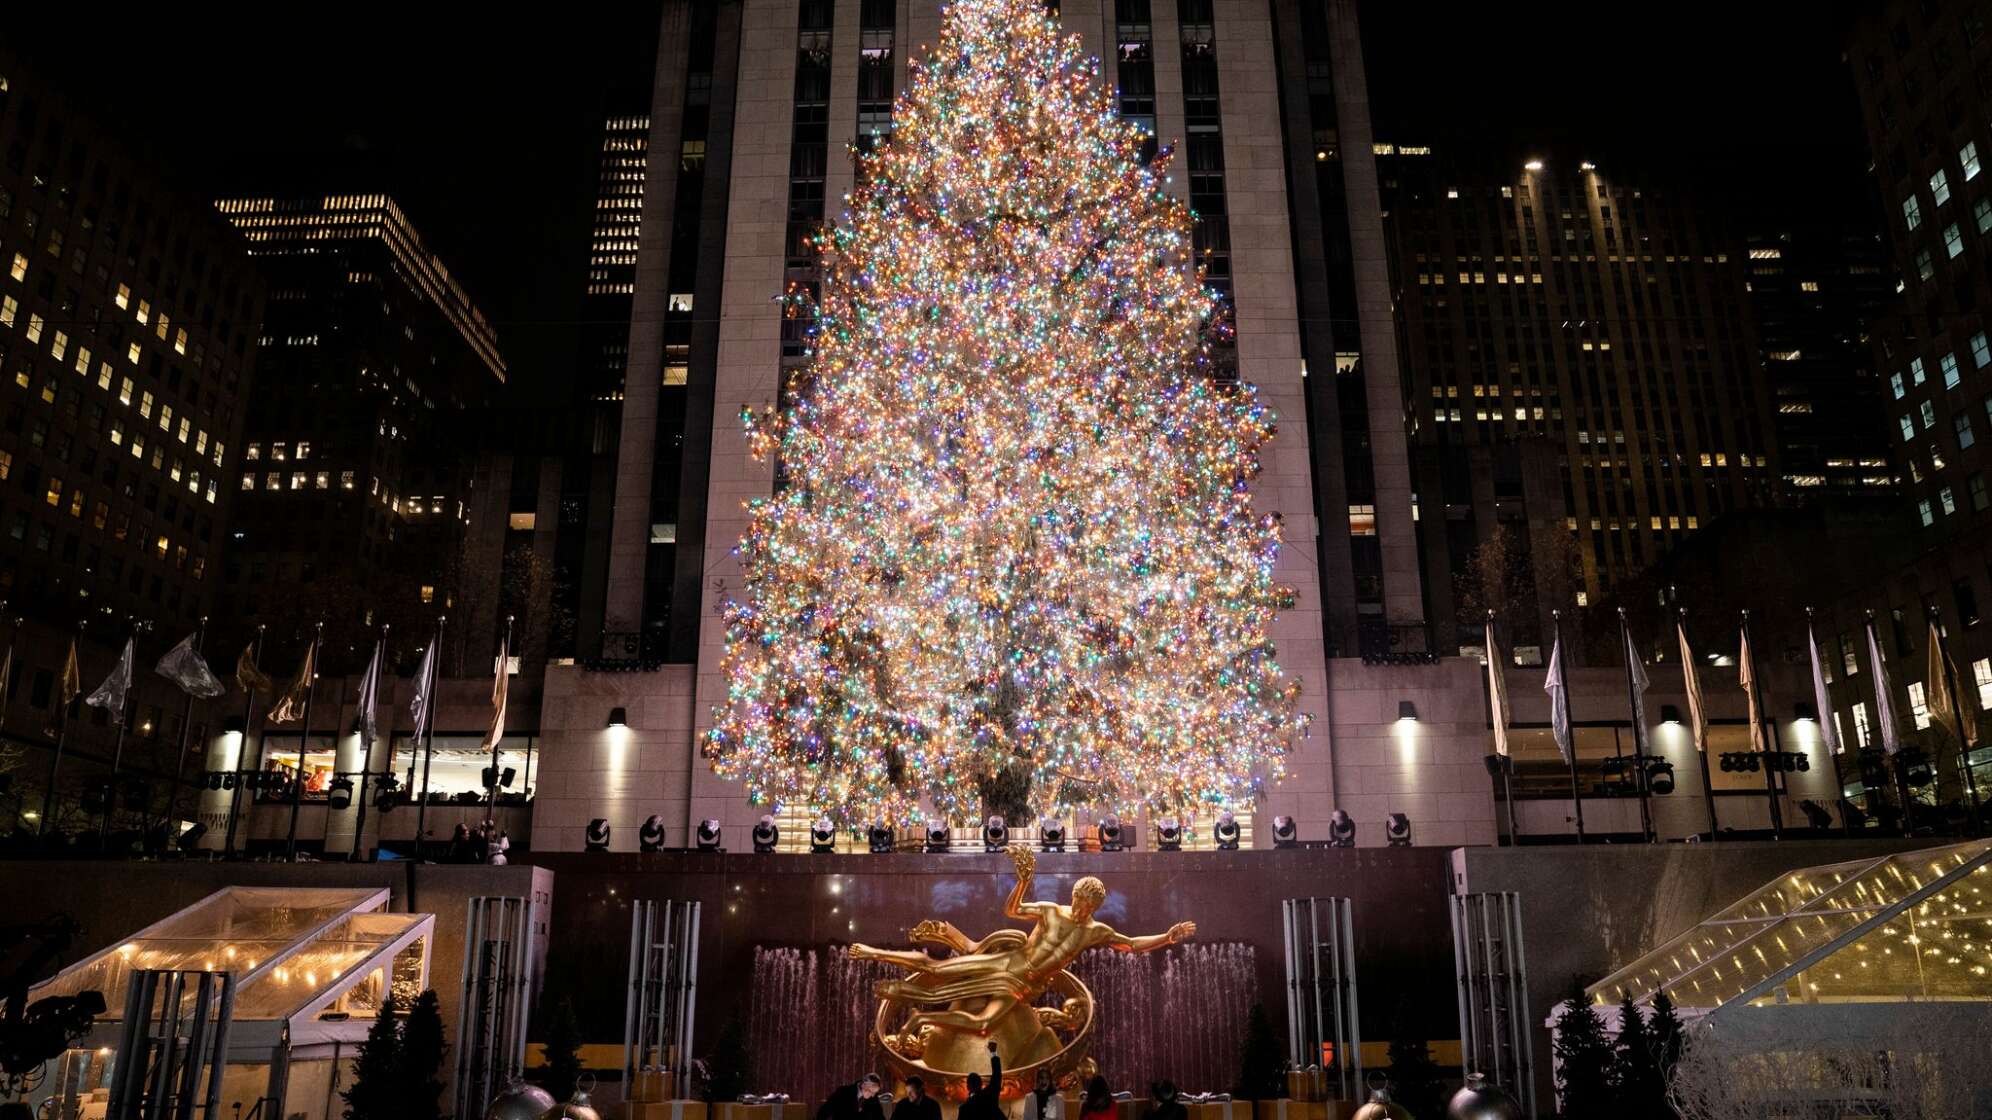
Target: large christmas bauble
(519, 1101)
(1481, 1099)
(1382, 1107)
(578, 1107)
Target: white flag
(425, 687)
(1691, 679)
(1822, 701)
(1746, 675)
(1884, 695)
(1635, 671)
(503, 675)
(365, 723)
(110, 695)
(1497, 693)
(1559, 701)
(184, 666)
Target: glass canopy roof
(327, 951)
(1911, 926)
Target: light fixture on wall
(1397, 830)
(596, 839)
(708, 836)
(1169, 835)
(650, 837)
(822, 836)
(1051, 834)
(1341, 830)
(1112, 837)
(618, 717)
(937, 836)
(1803, 710)
(766, 835)
(995, 833)
(1226, 831)
(1670, 715)
(1407, 712)
(1286, 832)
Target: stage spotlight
(937, 836)
(1169, 835)
(879, 837)
(708, 837)
(1111, 839)
(822, 836)
(1397, 830)
(995, 834)
(1341, 830)
(1286, 834)
(1226, 831)
(214, 779)
(228, 781)
(1051, 834)
(1660, 776)
(766, 835)
(650, 837)
(387, 795)
(339, 794)
(597, 837)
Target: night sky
(484, 126)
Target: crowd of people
(486, 843)
(866, 1098)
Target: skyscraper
(1559, 317)
(128, 327)
(353, 487)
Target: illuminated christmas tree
(1016, 544)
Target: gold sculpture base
(1010, 988)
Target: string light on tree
(1017, 538)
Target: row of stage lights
(883, 838)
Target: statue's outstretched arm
(1181, 931)
(1026, 864)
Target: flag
(1822, 701)
(1945, 702)
(1746, 676)
(184, 666)
(110, 695)
(1884, 696)
(248, 677)
(291, 704)
(1559, 701)
(365, 725)
(6, 675)
(72, 677)
(1691, 679)
(1635, 673)
(425, 687)
(1497, 692)
(498, 685)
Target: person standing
(917, 1105)
(1099, 1101)
(1043, 1102)
(856, 1101)
(985, 1099)
(1166, 1106)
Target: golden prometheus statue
(939, 1020)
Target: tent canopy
(1911, 926)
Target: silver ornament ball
(1481, 1099)
(519, 1101)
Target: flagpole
(303, 741)
(1507, 763)
(1638, 732)
(428, 737)
(117, 752)
(504, 666)
(55, 762)
(1951, 685)
(1771, 750)
(1701, 748)
(248, 710)
(1886, 703)
(1563, 687)
(366, 749)
(186, 728)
